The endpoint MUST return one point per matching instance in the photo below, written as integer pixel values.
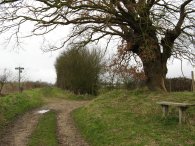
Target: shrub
(78, 70)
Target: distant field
(12, 87)
(131, 118)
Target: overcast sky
(39, 66)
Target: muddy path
(17, 134)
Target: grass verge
(125, 118)
(45, 132)
(16, 104)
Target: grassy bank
(125, 118)
(45, 132)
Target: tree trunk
(155, 72)
(154, 61)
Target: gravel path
(17, 134)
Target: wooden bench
(182, 108)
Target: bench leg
(165, 110)
(182, 116)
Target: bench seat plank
(175, 104)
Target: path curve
(18, 133)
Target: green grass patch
(50, 92)
(45, 132)
(125, 118)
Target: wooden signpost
(19, 77)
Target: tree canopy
(154, 30)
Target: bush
(78, 70)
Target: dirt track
(17, 134)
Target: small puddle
(43, 111)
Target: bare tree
(153, 30)
(4, 78)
